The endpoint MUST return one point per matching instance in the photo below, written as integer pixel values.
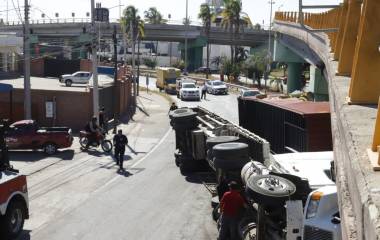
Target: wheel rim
(50, 149)
(16, 220)
(106, 146)
(271, 184)
(83, 141)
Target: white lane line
(136, 163)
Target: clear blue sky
(258, 10)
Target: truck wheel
(270, 189)
(68, 83)
(211, 142)
(12, 222)
(230, 164)
(50, 148)
(216, 213)
(106, 146)
(230, 150)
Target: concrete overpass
(153, 32)
(349, 60)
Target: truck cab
(14, 204)
(167, 78)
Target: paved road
(224, 105)
(80, 196)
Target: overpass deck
(353, 125)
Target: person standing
(173, 107)
(103, 119)
(231, 205)
(204, 91)
(119, 141)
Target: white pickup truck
(77, 78)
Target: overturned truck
(289, 196)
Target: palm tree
(217, 61)
(206, 15)
(132, 23)
(233, 19)
(153, 16)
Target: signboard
(102, 15)
(49, 106)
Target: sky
(258, 10)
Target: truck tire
(50, 148)
(12, 222)
(68, 83)
(211, 142)
(183, 114)
(230, 150)
(185, 126)
(186, 167)
(230, 164)
(270, 189)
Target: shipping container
(288, 124)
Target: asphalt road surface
(77, 195)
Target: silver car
(216, 87)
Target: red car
(26, 134)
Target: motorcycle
(100, 140)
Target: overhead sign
(102, 14)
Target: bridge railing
(84, 20)
(355, 45)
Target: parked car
(216, 87)
(26, 134)
(205, 70)
(77, 78)
(189, 91)
(249, 92)
(182, 81)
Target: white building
(10, 48)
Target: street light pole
(186, 29)
(95, 91)
(271, 2)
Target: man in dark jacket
(119, 141)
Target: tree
(233, 19)
(132, 23)
(151, 63)
(255, 65)
(257, 26)
(153, 16)
(217, 61)
(230, 68)
(206, 16)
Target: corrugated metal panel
(288, 123)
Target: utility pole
(138, 67)
(186, 29)
(95, 91)
(116, 92)
(133, 67)
(27, 91)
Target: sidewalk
(149, 125)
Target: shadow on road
(201, 177)
(33, 156)
(25, 235)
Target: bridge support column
(349, 38)
(294, 76)
(365, 84)
(318, 84)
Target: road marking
(136, 163)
